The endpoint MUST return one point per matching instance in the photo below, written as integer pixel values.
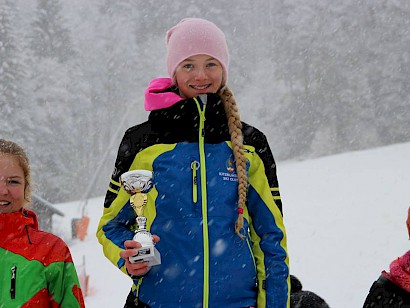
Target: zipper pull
(195, 167)
(13, 282)
(203, 98)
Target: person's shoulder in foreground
(392, 288)
(300, 298)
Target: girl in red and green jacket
(36, 268)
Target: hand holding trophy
(138, 183)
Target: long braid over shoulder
(235, 130)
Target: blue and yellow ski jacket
(193, 209)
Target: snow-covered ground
(345, 218)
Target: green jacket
(36, 267)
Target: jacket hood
(158, 95)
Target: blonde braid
(235, 130)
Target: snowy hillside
(345, 218)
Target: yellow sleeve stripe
(113, 190)
(274, 189)
(115, 183)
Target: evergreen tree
(60, 96)
(12, 72)
(50, 39)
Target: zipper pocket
(13, 282)
(195, 167)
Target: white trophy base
(147, 252)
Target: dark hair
(12, 148)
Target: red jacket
(36, 267)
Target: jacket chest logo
(230, 174)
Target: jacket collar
(180, 122)
(162, 94)
(186, 111)
(11, 224)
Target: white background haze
(317, 77)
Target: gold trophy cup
(138, 183)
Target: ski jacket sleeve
(271, 173)
(262, 148)
(267, 230)
(117, 221)
(64, 287)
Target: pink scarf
(157, 96)
(400, 271)
(408, 221)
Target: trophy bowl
(136, 181)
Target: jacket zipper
(138, 288)
(205, 300)
(195, 167)
(13, 282)
(250, 250)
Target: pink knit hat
(194, 36)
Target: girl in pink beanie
(204, 37)
(215, 210)
(190, 37)
(392, 289)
